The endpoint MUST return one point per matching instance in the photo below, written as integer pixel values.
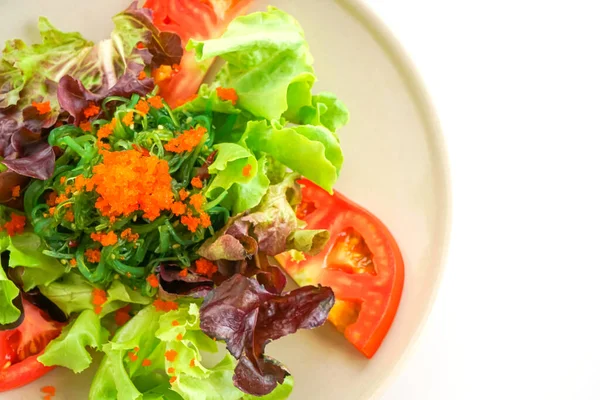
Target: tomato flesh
(361, 263)
(20, 347)
(192, 19)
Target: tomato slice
(361, 263)
(192, 19)
(20, 348)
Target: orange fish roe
(178, 208)
(16, 224)
(122, 315)
(146, 363)
(183, 194)
(191, 222)
(142, 75)
(127, 182)
(136, 349)
(98, 299)
(49, 390)
(62, 180)
(247, 170)
(42, 108)
(61, 199)
(73, 262)
(107, 129)
(183, 273)
(227, 94)
(175, 323)
(173, 379)
(171, 355)
(205, 220)
(152, 281)
(51, 199)
(105, 239)
(91, 110)
(47, 397)
(132, 356)
(197, 200)
(162, 73)
(193, 362)
(186, 141)
(85, 126)
(156, 102)
(179, 336)
(196, 182)
(205, 267)
(69, 216)
(128, 118)
(140, 45)
(142, 106)
(102, 146)
(128, 235)
(80, 182)
(51, 210)
(165, 306)
(92, 255)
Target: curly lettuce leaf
(69, 350)
(266, 52)
(230, 167)
(9, 313)
(73, 293)
(293, 146)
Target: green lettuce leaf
(8, 292)
(38, 269)
(229, 166)
(70, 348)
(265, 52)
(207, 100)
(294, 145)
(247, 195)
(73, 293)
(324, 109)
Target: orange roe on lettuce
(80, 182)
(128, 235)
(72, 262)
(156, 102)
(107, 129)
(86, 126)
(152, 281)
(62, 180)
(165, 306)
(178, 208)
(205, 220)
(42, 108)
(127, 182)
(51, 199)
(192, 223)
(196, 182)
(227, 94)
(105, 239)
(98, 299)
(146, 363)
(16, 191)
(179, 336)
(142, 75)
(92, 255)
(132, 356)
(175, 323)
(205, 267)
(128, 118)
(91, 110)
(62, 198)
(171, 355)
(69, 216)
(183, 273)
(15, 225)
(142, 107)
(186, 141)
(193, 362)
(247, 170)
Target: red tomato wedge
(20, 348)
(361, 263)
(191, 19)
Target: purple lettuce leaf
(247, 317)
(172, 285)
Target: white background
(516, 84)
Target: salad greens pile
(153, 228)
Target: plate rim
(366, 16)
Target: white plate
(395, 166)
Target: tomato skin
(20, 348)
(192, 19)
(22, 373)
(367, 301)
